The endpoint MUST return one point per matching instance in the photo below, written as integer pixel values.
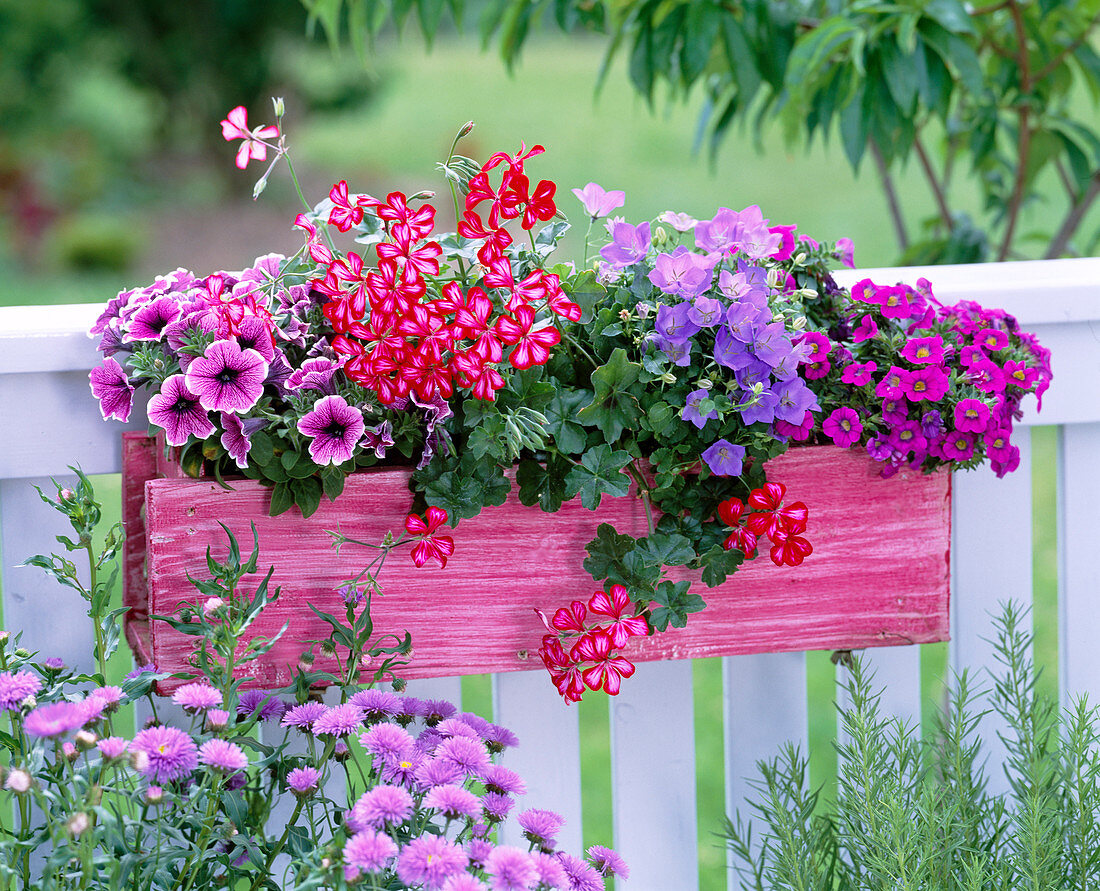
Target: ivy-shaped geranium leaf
(719, 564)
(666, 550)
(639, 572)
(465, 491)
(606, 552)
(586, 292)
(487, 438)
(675, 603)
(561, 419)
(598, 474)
(661, 417)
(615, 403)
(543, 485)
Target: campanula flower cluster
(670, 362)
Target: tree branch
(937, 188)
(891, 196)
(1023, 143)
(1073, 219)
(1068, 49)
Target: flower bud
(139, 761)
(85, 740)
(660, 236)
(278, 105)
(800, 258)
(328, 648)
(668, 377)
(423, 195)
(77, 824)
(154, 795)
(22, 653)
(466, 130)
(29, 703)
(3, 637)
(18, 781)
(217, 719)
(65, 494)
(211, 604)
(340, 751)
(69, 751)
(704, 383)
(306, 660)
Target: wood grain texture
(878, 575)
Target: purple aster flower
(581, 876)
(435, 710)
(177, 410)
(340, 720)
(429, 860)
(549, 869)
(302, 716)
(270, 707)
(467, 754)
(381, 805)
(387, 740)
(498, 738)
(369, 851)
(222, 756)
(457, 727)
(334, 428)
(170, 753)
(237, 438)
(691, 409)
(409, 708)
(478, 849)
(843, 426)
(541, 826)
(597, 202)
(197, 697)
(148, 668)
(54, 719)
(149, 322)
(17, 686)
(497, 806)
(303, 781)
(724, 458)
(629, 244)
(112, 388)
(404, 772)
(463, 881)
(376, 704)
(54, 663)
(227, 378)
(476, 721)
(498, 778)
(510, 869)
(113, 747)
(431, 772)
(608, 862)
(217, 719)
(453, 802)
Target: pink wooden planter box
(878, 575)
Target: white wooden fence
(50, 421)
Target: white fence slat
(896, 676)
(1079, 560)
(53, 618)
(990, 564)
(765, 706)
(548, 755)
(653, 777)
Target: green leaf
(615, 403)
(701, 28)
(900, 74)
(543, 485)
(951, 14)
(853, 129)
(261, 451)
(675, 604)
(741, 59)
(586, 292)
(561, 422)
(606, 552)
(281, 499)
(307, 494)
(956, 53)
(719, 564)
(599, 473)
(332, 481)
(666, 550)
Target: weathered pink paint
(878, 575)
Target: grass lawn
(614, 139)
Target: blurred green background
(113, 169)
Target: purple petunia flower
(429, 860)
(334, 428)
(629, 244)
(227, 378)
(253, 334)
(453, 801)
(724, 458)
(340, 720)
(197, 697)
(177, 410)
(113, 389)
(237, 438)
(17, 686)
(511, 869)
(315, 374)
(302, 716)
(369, 851)
(222, 756)
(54, 719)
(598, 202)
(271, 708)
(149, 322)
(170, 753)
(303, 781)
(608, 862)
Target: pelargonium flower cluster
(767, 516)
(582, 649)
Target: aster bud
(139, 761)
(211, 604)
(340, 751)
(77, 824)
(22, 653)
(30, 702)
(306, 660)
(3, 637)
(328, 648)
(69, 751)
(19, 782)
(65, 494)
(154, 795)
(85, 740)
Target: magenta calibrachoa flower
(334, 429)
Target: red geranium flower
(430, 544)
